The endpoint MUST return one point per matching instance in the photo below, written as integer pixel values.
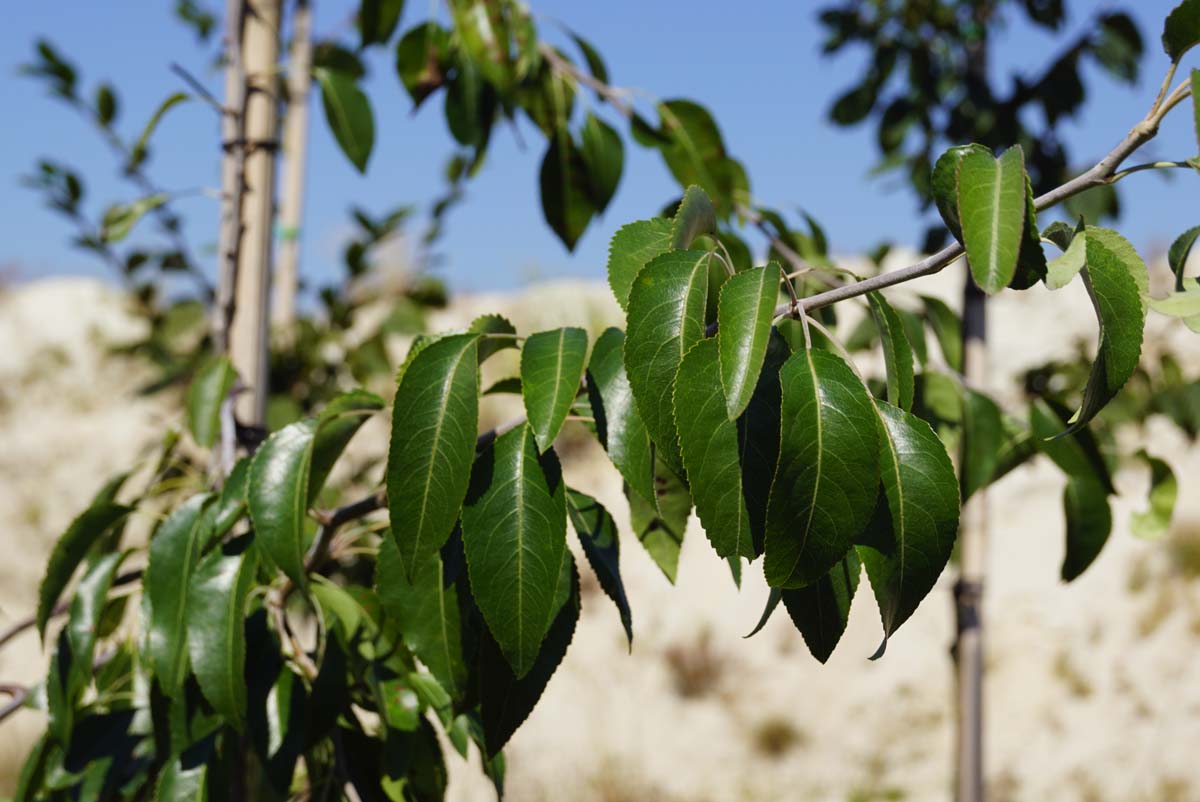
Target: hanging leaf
(666, 318)
(944, 184)
(1076, 454)
(422, 59)
(708, 440)
(1062, 271)
(174, 557)
(604, 156)
(694, 217)
(758, 438)
(828, 472)
(744, 316)
(660, 526)
(70, 549)
(514, 533)
(120, 219)
(1181, 248)
(277, 497)
(207, 392)
(1154, 522)
(983, 440)
(336, 426)
(216, 612)
(507, 698)
(632, 247)
(426, 611)
(619, 425)
(991, 207)
(1181, 31)
(910, 538)
(897, 353)
(947, 330)
(552, 364)
(1122, 315)
(1089, 522)
(377, 20)
(1031, 259)
(83, 623)
(348, 113)
(821, 610)
(434, 425)
(597, 533)
(137, 154)
(179, 784)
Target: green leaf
(137, 154)
(485, 37)
(744, 316)
(983, 440)
(660, 526)
(708, 440)
(336, 426)
(174, 557)
(821, 610)
(694, 217)
(207, 392)
(1178, 254)
(632, 247)
(1122, 315)
(377, 20)
(1181, 31)
(508, 697)
(216, 612)
(232, 505)
(591, 56)
(564, 179)
(991, 207)
(1154, 522)
(514, 533)
(897, 353)
(120, 219)
(911, 536)
(434, 425)
(604, 156)
(619, 425)
(422, 57)
(947, 330)
(493, 324)
(426, 611)
(348, 113)
(1077, 454)
(944, 184)
(758, 438)
(824, 488)
(1089, 522)
(694, 151)
(177, 783)
(1061, 271)
(106, 105)
(552, 364)
(277, 496)
(666, 318)
(597, 533)
(83, 625)
(1031, 259)
(70, 549)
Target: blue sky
(756, 65)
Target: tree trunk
(295, 157)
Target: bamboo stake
(295, 158)
(249, 333)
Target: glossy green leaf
(503, 331)
(507, 697)
(619, 425)
(708, 441)
(207, 392)
(216, 612)
(744, 316)
(661, 525)
(597, 533)
(910, 538)
(137, 154)
(422, 56)
(604, 156)
(348, 113)
(1115, 295)
(828, 471)
(426, 611)
(632, 247)
(552, 364)
(944, 184)
(1181, 31)
(231, 506)
(277, 496)
(83, 623)
(1089, 522)
(434, 425)
(336, 426)
(821, 610)
(983, 439)
(666, 318)
(1077, 454)
(1062, 270)
(1181, 248)
(991, 208)
(947, 330)
(1154, 522)
(694, 217)
(692, 146)
(758, 438)
(897, 353)
(1031, 259)
(174, 558)
(177, 783)
(70, 549)
(514, 534)
(567, 202)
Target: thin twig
(615, 97)
(200, 89)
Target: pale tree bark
(295, 157)
(248, 345)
